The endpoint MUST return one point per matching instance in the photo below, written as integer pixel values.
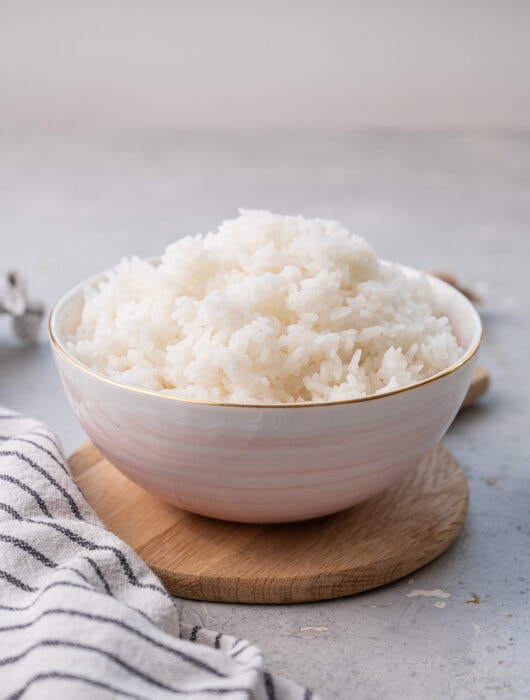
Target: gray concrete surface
(71, 206)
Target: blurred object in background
(26, 315)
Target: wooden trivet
(367, 546)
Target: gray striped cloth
(81, 615)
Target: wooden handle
(478, 387)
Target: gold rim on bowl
(320, 404)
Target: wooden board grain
(367, 546)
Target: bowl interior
(464, 318)
(65, 316)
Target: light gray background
(278, 64)
(125, 124)
(71, 206)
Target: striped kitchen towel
(81, 615)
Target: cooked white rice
(269, 309)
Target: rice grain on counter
(268, 309)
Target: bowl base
(372, 544)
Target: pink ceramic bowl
(265, 464)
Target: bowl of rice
(273, 370)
